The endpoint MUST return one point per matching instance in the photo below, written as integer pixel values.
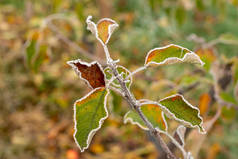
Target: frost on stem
(146, 114)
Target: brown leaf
(92, 73)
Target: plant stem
(177, 144)
(136, 71)
(134, 104)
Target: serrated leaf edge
(93, 131)
(94, 30)
(183, 121)
(71, 63)
(129, 119)
(172, 58)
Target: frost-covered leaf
(92, 73)
(171, 54)
(89, 114)
(180, 133)
(178, 108)
(121, 70)
(152, 112)
(103, 29)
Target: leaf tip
(201, 129)
(91, 26)
(202, 63)
(69, 62)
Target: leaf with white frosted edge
(124, 73)
(91, 73)
(179, 109)
(103, 29)
(89, 115)
(180, 132)
(171, 54)
(152, 112)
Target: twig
(134, 104)
(188, 88)
(167, 134)
(48, 22)
(211, 43)
(136, 71)
(177, 144)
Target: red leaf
(90, 72)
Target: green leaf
(116, 103)
(89, 115)
(41, 57)
(79, 10)
(200, 5)
(228, 96)
(171, 54)
(152, 112)
(228, 113)
(30, 52)
(178, 108)
(228, 38)
(235, 71)
(180, 15)
(121, 70)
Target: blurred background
(38, 89)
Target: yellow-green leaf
(31, 48)
(152, 112)
(171, 54)
(178, 108)
(89, 114)
(41, 57)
